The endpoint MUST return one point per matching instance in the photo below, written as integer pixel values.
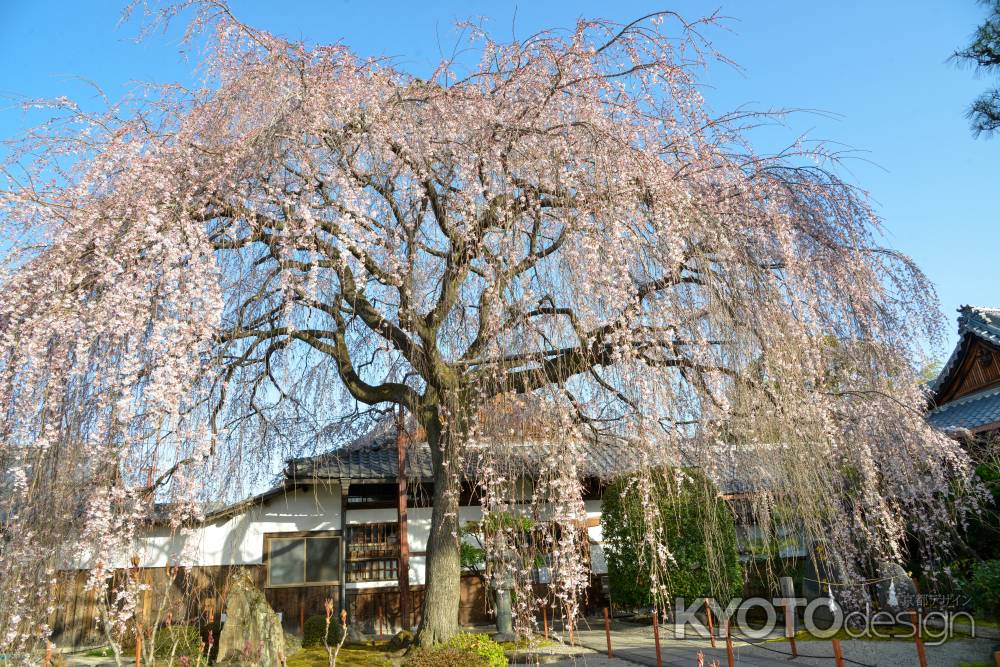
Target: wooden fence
(197, 596)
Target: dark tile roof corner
(973, 322)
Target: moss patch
(375, 654)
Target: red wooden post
(790, 630)
(656, 638)
(545, 619)
(607, 630)
(48, 654)
(711, 629)
(996, 658)
(918, 639)
(838, 658)
(729, 644)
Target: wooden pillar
(302, 612)
(404, 538)
(342, 592)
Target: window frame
(303, 535)
(387, 553)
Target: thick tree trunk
(439, 620)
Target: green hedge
(983, 589)
(693, 516)
(313, 629)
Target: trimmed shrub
(313, 629)
(187, 639)
(984, 588)
(696, 526)
(444, 657)
(480, 645)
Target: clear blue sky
(881, 68)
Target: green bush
(187, 639)
(313, 629)
(984, 588)
(983, 531)
(480, 645)
(697, 528)
(444, 657)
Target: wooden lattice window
(373, 552)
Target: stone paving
(634, 645)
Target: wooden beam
(404, 541)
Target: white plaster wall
(239, 539)
(598, 564)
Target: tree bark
(439, 621)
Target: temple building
(965, 396)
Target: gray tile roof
(970, 412)
(373, 458)
(377, 459)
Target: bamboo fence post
(711, 629)
(545, 619)
(607, 630)
(836, 653)
(656, 638)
